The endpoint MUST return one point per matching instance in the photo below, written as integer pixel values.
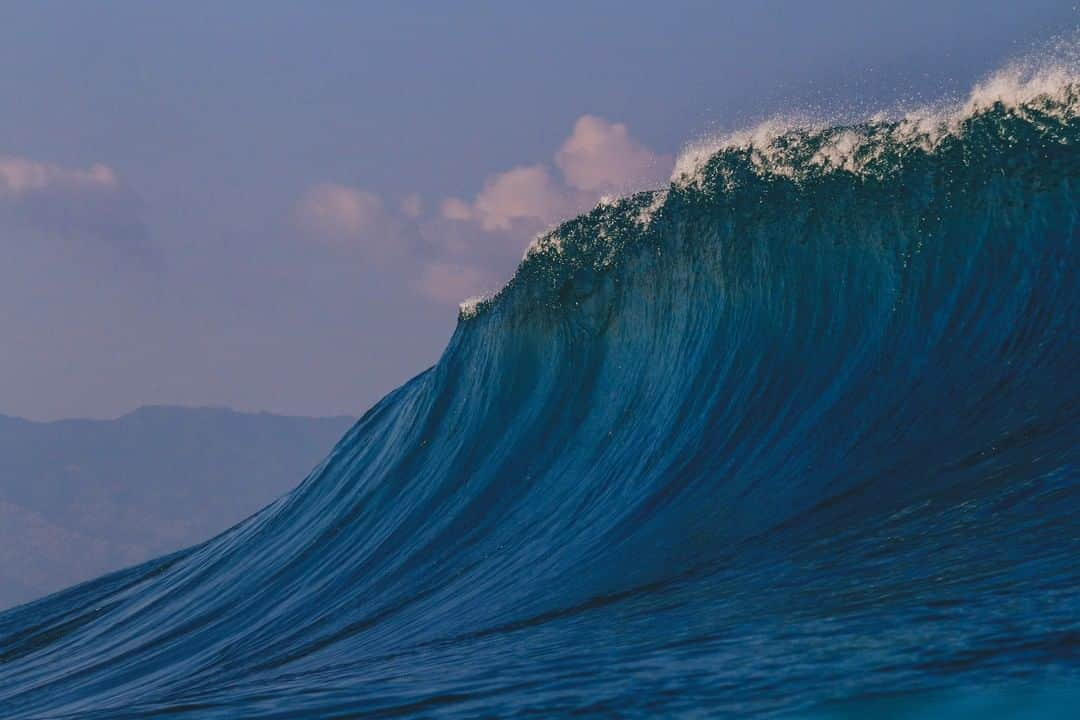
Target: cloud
(457, 209)
(526, 193)
(523, 193)
(353, 220)
(465, 247)
(411, 205)
(598, 158)
(20, 178)
(602, 157)
(452, 282)
(72, 201)
(338, 211)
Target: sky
(277, 206)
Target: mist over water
(794, 436)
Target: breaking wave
(797, 430)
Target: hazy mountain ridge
(83, 497)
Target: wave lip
(799, 428)
(1046, 84)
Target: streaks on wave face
(798, 429)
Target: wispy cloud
(598, 158)
(465, 247)
(452, 282)
(457, 209)
(340, 212)
(412, 206)
(20, 178)
(72, 201)
(353, 220)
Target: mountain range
(79, 498)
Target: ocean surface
(795, 437)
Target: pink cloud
(602, 157)
(20, 177)
(468, 247)
(598, 158)
(523, 193)
(72, 201)
(456, 209)
(411, 205)
(452, 282)
(339, 211)
(352, 220)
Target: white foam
(781, 145)
(547, 240)
(1052, 83)
(841, 151)
(644, 218)
(470, 307)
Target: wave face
(798, 430)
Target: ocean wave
(799, 428)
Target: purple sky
(276, 206)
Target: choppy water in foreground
(794, 437)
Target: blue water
(795, 437)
